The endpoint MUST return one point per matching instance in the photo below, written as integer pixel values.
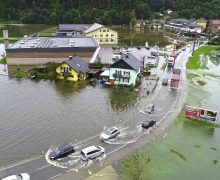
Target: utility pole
(194, 43)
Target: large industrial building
(41, 50)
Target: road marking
(56, 176)
(42, 167)
(23, 162)
(87, 139)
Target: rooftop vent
(70, 57)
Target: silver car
(92, 152)
(109, 133)
(149, 109)
(21, 176)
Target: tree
(133, 22)
(134, 166)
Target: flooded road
(37, 115)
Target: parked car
(138, 47)
(165, 81)
(21, 176)
(109, 133)
(61, 151)
(153, 53)
(149, 109)
(148, 123)
(92, 152)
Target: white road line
(23, 162)
(56, 176)
(42, 167)
(87, 139)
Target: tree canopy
(103, 11)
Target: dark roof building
(73, 27)
(77, 64)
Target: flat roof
(53, 42)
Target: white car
(109, 133)
(92, 152)
(21, 176)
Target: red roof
(175, 77)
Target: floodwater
(190, 150)
(36, 115)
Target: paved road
(167, 104)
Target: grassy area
(195, 62)
(3, 61)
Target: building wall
(60, 70)
(104, 35)
(132, 79)
(39, 61)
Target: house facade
(201, 22)
(102, 34)
(215, 26)
(125, 71)
(72, 69)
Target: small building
(215, 26)
(174, 83)
(125, 71)
(139, 24)
(168, 11)
(72, 30)
(201, 22)
(73, 69)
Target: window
(95, 35)
(69, 69)
(112, 35)
(104, 30)
(116, 79)
(112, 40)
(106, 35)
(106, 40)
(100, 30)
(101, 35)
(100, 40)
(70, 76)
(107, 30)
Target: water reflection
(68, 88)
(121, 98)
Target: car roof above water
(65, 147)
(88, 149)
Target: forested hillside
(103, 11)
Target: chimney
(70, 57)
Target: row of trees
(103, 11)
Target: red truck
(174, 83)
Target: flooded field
(190, 150)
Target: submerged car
(109, 133)
(61, 151)
(149, 109)
(165, 81)
(21, 176)
(92, 152)
(148, 123)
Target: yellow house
(102, 34)
(73, 69)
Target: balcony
(121, 75)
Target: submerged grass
(201, 82)
(191, 76)
(178, 154)
(194, 62)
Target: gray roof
(93, 27)
(131, 60)
(72, 27)
(53, 42)
(77, 64)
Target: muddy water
(37, 115)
